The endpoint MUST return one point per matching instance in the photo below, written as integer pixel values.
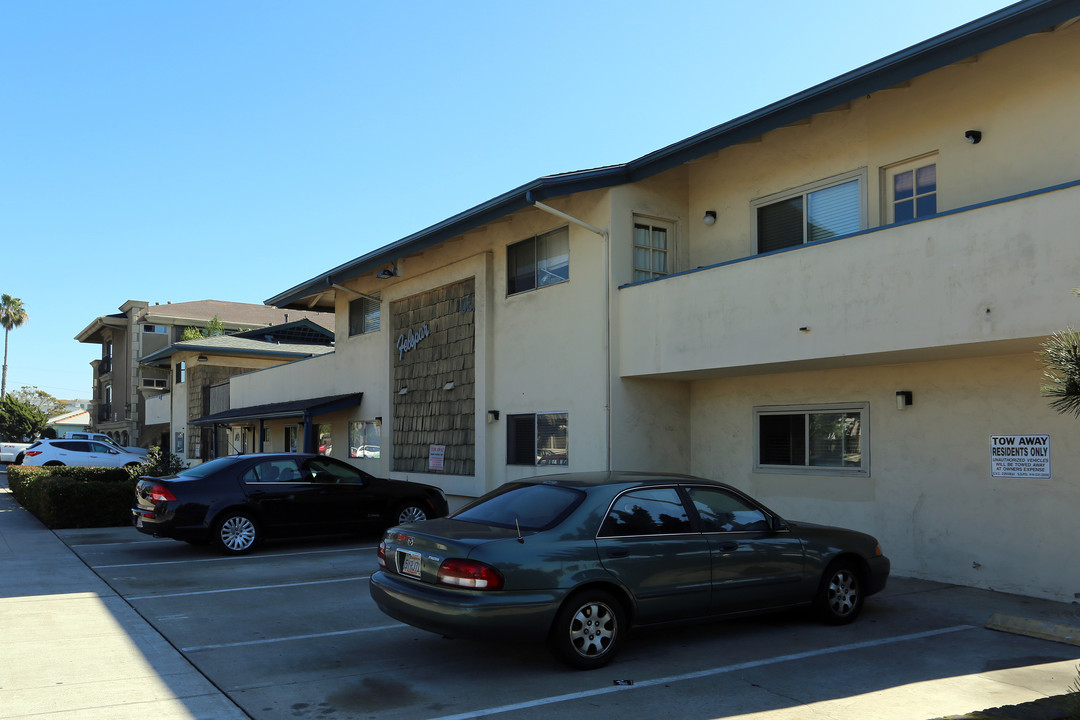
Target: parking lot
(290, 632)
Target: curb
(1058, 707)
(1034, 628)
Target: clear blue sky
(177, 151)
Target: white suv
(102, 437)
(81, 453)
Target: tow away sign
(1020, 456)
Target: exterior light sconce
(903, 399)
(449, 385)
(387, 272)
(403, 391)
(202, 358)
(973, 136)
(710, 218)
(492, 416)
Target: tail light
(382, 554)
(160, 493)
(32, 453)
(470, 574)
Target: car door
(348, 498)
(754, 565)
(101, 455)
(647, 543)
(281, 495)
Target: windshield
(528, 507)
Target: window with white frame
(910, 189)
(818, 211)
(156, 329)
(654, 242)
(364, 439)
(539, 261)
(364, 315)
(538, 439)
(824, 439)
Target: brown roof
(232, 312)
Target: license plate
(410, 563)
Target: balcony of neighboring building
(989, 279)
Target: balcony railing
(104, 413)
(105, 366)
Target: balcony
(105, 366)
(985, 280)
(104, 413)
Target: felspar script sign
(1020, 456)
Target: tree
(19, 420)
(12, 315)
(214, 327)
(1061, 363)
(40, 399)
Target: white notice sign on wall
(1020, 456)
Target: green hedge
(74, 497)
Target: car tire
(588, 630)
(53, 463)
(236, 533)
(840, 595)
(410, 512)
(19, 459)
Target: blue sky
(177, 151)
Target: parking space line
(539, 702)
(231, 557)
(267, 641)
(245, 589)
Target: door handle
(617, 553)
(731, 546)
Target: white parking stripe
(197, 648)
(702, 673)
(229, 557)
(245, 589)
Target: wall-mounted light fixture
(492, 416)
(202, 358)
(804, 329)
(710, 218)
(973, 136)
(903, 399)
(387, 272)
(403, 391)
(449, 385)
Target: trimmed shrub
(74, 497)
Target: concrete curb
(1057, 707)
(1034, 628)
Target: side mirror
(778, 524)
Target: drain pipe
(606, 240)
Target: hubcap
(843, 592)
(238, 533)
(412, 514)
(593, 629)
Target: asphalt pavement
(72, 647)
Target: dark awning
(311, 407)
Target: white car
(81, 453)
(102, 437)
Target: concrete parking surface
(290, 632)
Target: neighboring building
(200, 371)
(121, 386)
(73, 421)
(833, 303)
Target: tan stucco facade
(672, 374)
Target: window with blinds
(539, 439)
(829, 439)
(364, 315)
(820, 211)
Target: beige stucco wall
(930, 497)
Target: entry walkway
(70, 647)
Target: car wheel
(410, 512)
(53, 463)
(19, 459)
(588, 630)
(840, 597)
(236, 533)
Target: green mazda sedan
(576, 560)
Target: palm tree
(12, 315)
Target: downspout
(606, 240)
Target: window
(818, 211)
(265, 439)
(272, 471)
(181, 372)
(291, 436)
(156, 329)
(824, 439)
(539, 261)
(723, 512)
(655, 511)
(155, 382)
(364, 439)
(539, 440)
(326, 443)
(911, 190)
(522, 506)
(364, 314)
(653, 243)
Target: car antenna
(518, 526)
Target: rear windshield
(207, 468)
(529, 507)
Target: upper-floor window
(541, 260)
(181, 372)
(818, 211)
(364, 315)
(911, 190)
(826, 439)
(653, 248)
(106, 350)
(156, 329)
